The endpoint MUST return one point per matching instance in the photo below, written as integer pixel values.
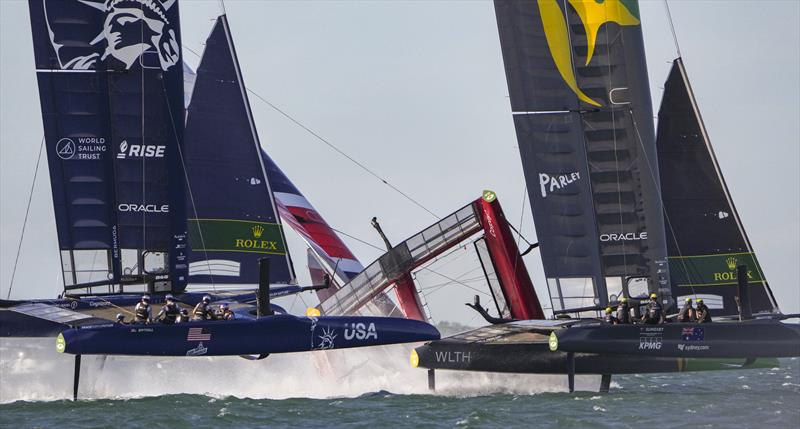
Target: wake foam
(31, 370)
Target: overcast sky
(416, 91)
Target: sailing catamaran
(618, 212)
(155, 190)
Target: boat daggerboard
(233, 220)
(111, 92)
(580, 100)
(706, 239)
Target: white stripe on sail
(215, 267)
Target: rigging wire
(334, 147)
(661, 203)
(672, 28)
(189, 187)
(25, 222)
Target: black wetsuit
(170, 311)
(703, 313)
(685, 315)
(653, 314)
(623, 314)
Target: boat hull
(526, 347)
(265, 335)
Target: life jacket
(200, 311)
(610, 318)
(141, 313)
(683, 315)
(653, 310)
(703, 314)
(171, 312)
(228, 315)
(623, 314)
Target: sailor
(686, 314)
(203, 311)
(623, 312)
(225, 312)
(653, 313)
(142, 312)
(703, 312)
(170, 311)
(183, 317)
(120, 319)
(610, 319)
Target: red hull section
(513, 275)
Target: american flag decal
(196, 334)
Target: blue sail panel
(233, 220)
(111, 91)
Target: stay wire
(335, 148)
(25, 221)
(189, 189)
(672, 28)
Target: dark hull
(526, 348)
(265, 335)
(750, 339)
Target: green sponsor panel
(229, 235)
(713, 270)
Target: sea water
(370, 388)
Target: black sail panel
(586, 58)
(554, 161)
(707, 240)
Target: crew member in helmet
(653, 314)
(623, 312)
(142, 312)
(203, 310)
(610, 319)
(687, 314)
(183, 317)
(120, 319)
(703, 312)
(225, 312)
(170, 311)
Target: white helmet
(206, 299)
(169, 297)
(146, 298)
(223, 306)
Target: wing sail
(707, 239)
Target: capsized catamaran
(618, 213)
(151, 197)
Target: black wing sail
(579, 93)
(706, 237)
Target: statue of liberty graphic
(130, 29)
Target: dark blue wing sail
(233, 220)
(111, 91)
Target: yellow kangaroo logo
(593, 14)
